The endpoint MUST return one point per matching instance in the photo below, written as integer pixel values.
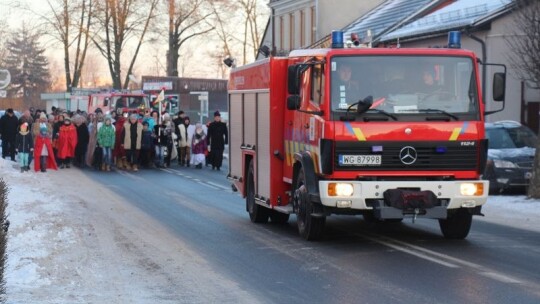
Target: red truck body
(290, 150)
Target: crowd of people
(127, 141)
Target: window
(406, 85)
(312, 26)
(317, 84)
(291, 32)
(302, 29)
(281, 32)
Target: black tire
(309, 227)
(257, 213)
(277, 217)
(457, 225)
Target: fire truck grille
(407, 156)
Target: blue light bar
(454, 39)
(337, 39)
(441, 149)
(377, 149)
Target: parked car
(511, 149)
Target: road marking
(500, 277)
(205, 183)
(482, 270)
(219, 186)
(411, 252)
(209, 186)
(439, 258)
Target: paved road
(357, 262)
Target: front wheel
(457, 225)
(257, 213)
(309, 226)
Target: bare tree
(121, 21)
(248, 13)
(70, 22)
(186, 20)
(224, 13)
(525, 58)
(252, 32)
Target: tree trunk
(534, 185)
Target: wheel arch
(304, 160)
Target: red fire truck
(118, 102)
(385, 133)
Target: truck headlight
(499, 163)
(471, 189)
(340, 189)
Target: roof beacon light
(337, 39)
(454, 39)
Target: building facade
(296, 24)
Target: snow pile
(72, 240)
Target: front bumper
(367, 194)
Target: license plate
(360, 160)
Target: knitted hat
(24, 126)
(42, 116)
(216, 113)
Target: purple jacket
(198, 145)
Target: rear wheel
(457, 225)
(257, 213)
(309, 226)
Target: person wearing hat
(198, 147)
(42, 122)
(24, 146)
(184, 142)
(67, 141)
(9, 125)
(218, 137)
(177, 121)
(43, 151)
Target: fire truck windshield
(132, 102)
(405, 85)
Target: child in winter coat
(24, 145)
(43, 152)
(106, 137)
(198, 147)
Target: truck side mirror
(293, 77)
(499, 86)
(293, 102)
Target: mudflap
(398, 203)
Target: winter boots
(121, 163)
(135, 167)
(43, 163)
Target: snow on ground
(74, 241)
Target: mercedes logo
(408, 155)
